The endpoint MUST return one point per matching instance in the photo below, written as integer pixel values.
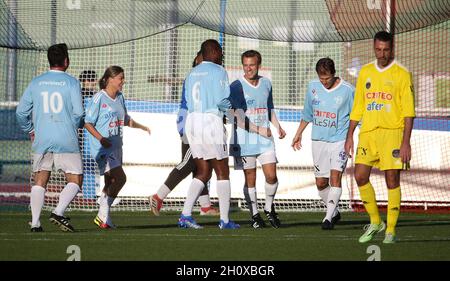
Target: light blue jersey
(108, 116)
(207, 89)
(257, 102)
(328, 110)
(52, 107)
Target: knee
(392, 183)
(271, 179)
(204, 176)
(361, 180)
(321, 185)
(223, 174)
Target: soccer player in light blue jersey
(207, 89)
(185, 167)
(253, 94)
(106, 117)
(50, 111)
(328, 104)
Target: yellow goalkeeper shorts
(380, 148)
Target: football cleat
(188, 222)
(62, 222)
(371, 230)
(103, 225)
(209, 211)
(155, 204)
(389, 238)
(327, 225)
(37, 229)
(229, 225)
(257, 221)
(336, 218)
(272, 216)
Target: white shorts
(207, 136)
(109, 161)
(69, 163)
(249, 162)
(328, 156)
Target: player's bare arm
(276, 123)
(349, 140)
(297, 140)
(134, 124)
(405, 148)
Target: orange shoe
(209, 211)
(155, 204)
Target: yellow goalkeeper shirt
(383, 97)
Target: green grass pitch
(142, 236)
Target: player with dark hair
(207, 92)
(50, 111)
(384, 102)
(328, 103)
(185, 167)
(253, 95)
(106, 117)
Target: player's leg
(332, 215)
(322, 165)
(394, 198)
(366, 157)
(206, 207)
(338, 162)
(271, 185)
(202, 176)
(248, 164)
(42, 167)
(37, 199)
(115, 179)
(390, 162)
(179, 173)
(367, 194)
(223, 192)
(72, 165)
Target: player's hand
(405, 152)
(297, 142)
(105, 142)
(32, 136)
(281, 133)
(147, 129)
(349, 147)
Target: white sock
(194, 190)
(103, 211)
(333, 199)
(37, 198)
(324, 194)
(67, 194)
(163, 191)
(224, 194)
(250, 197)
(271, 189)
(204, 201)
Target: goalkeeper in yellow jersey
(384, 103)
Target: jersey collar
(384, 68)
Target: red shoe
(209, 211)
(155, 204)
(101, 224)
